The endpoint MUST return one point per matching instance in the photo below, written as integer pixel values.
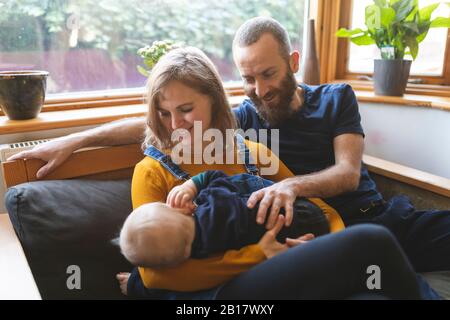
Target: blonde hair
(193, 68)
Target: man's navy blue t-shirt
(306, 139)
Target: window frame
(334, 56)
(108, 98)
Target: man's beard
(279, 112)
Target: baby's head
(156, 235)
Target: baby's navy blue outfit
(223, 221)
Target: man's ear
(294, 61)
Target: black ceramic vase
(22, 93)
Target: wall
(413, 136)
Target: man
(321, 141)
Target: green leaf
(413, 45)
(412, 26)
(142, 71)
(373, 17)
(345, 33)
(440, 22)
(413, 15)
(399, 46)
(422, 36)
(402, 9)
(425, 13)
(380, 3)
(149, 62)
(364, 40)
(387, 16)
(381, 38)
(424, 26)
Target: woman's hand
(277, 196)
(181, 197)
(271, 247)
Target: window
(431, 67)
(91, 45)
(430, 60)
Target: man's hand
(53, 152)
(181, 196)
(280, 195)
(271, 247)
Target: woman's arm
(148, 185)
(201, 274)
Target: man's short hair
(252, 30)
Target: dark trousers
(330, 267)
(423, 235)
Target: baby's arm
(182, 196)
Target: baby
(162, 235)
(156, 235)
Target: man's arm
(340, 178)
(55, 152)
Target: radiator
(7, 150)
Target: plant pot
(391, 76)
(22, 93)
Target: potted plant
(151, 54)
(22, 93)
(397, 27)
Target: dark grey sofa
(71, 222)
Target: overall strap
(166, 162)
(245, 156)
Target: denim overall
(251, 182)
(247, 183)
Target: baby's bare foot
(123, 277)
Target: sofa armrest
(105, 163)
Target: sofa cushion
(71, 222)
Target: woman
(185, 87)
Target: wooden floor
(16, 279)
